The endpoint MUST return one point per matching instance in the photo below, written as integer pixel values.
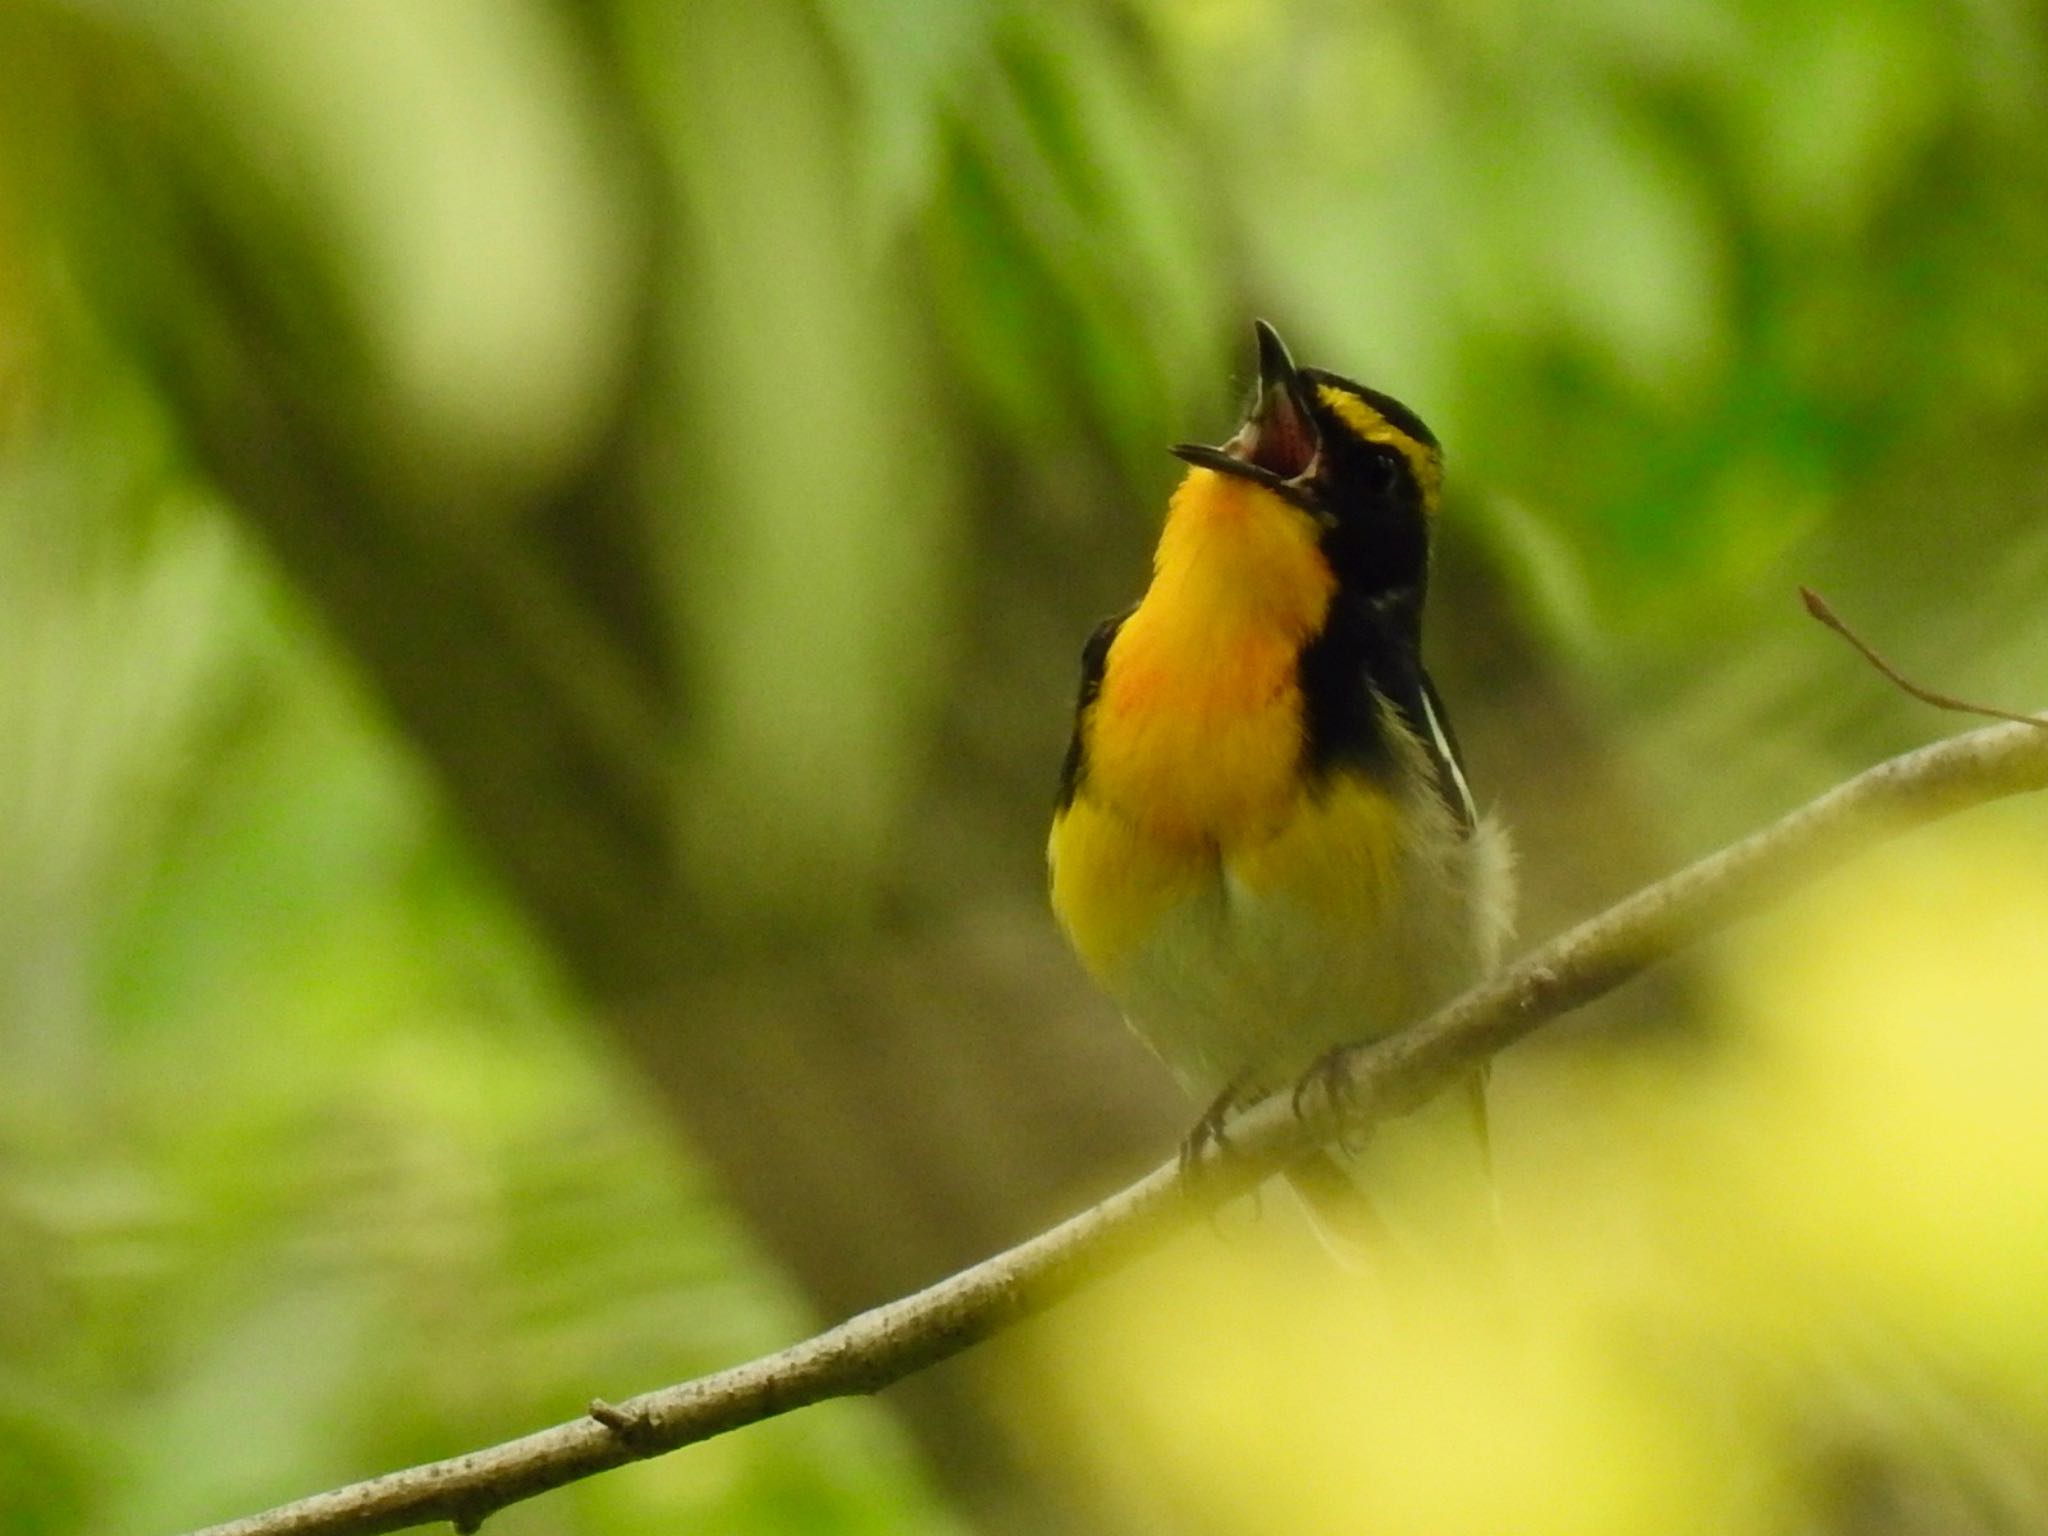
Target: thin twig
(1369, 1083)
(1818, 607)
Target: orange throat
(1197, 734)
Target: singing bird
(1264, 842)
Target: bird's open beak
(1276, 447)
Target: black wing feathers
(1093, 657)
(1366, 652)
(1442, 744)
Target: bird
(1264, 844)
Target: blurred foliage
(1790, 1287)
(306, 1169)
(311, 1161)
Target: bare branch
(1818, 606)
(1366, 1083)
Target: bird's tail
(1420, 1193)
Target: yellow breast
(1112, 881)
(1194, 748)
(1329, 868)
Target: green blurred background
(543, 550)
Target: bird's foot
(1207, 1139)
(1330, 1076)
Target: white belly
(1243, 980)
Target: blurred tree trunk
(882, 1108)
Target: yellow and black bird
(1264, 843)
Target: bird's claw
(1207, 1137)
(1330, 1075)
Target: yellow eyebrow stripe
(1375, 428)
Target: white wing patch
(1445, 755)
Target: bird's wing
(1443, 751)
(1408, 688)
(1094, 656)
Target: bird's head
(1359, 463)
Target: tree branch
(1364, 1084)
(1822, 610)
